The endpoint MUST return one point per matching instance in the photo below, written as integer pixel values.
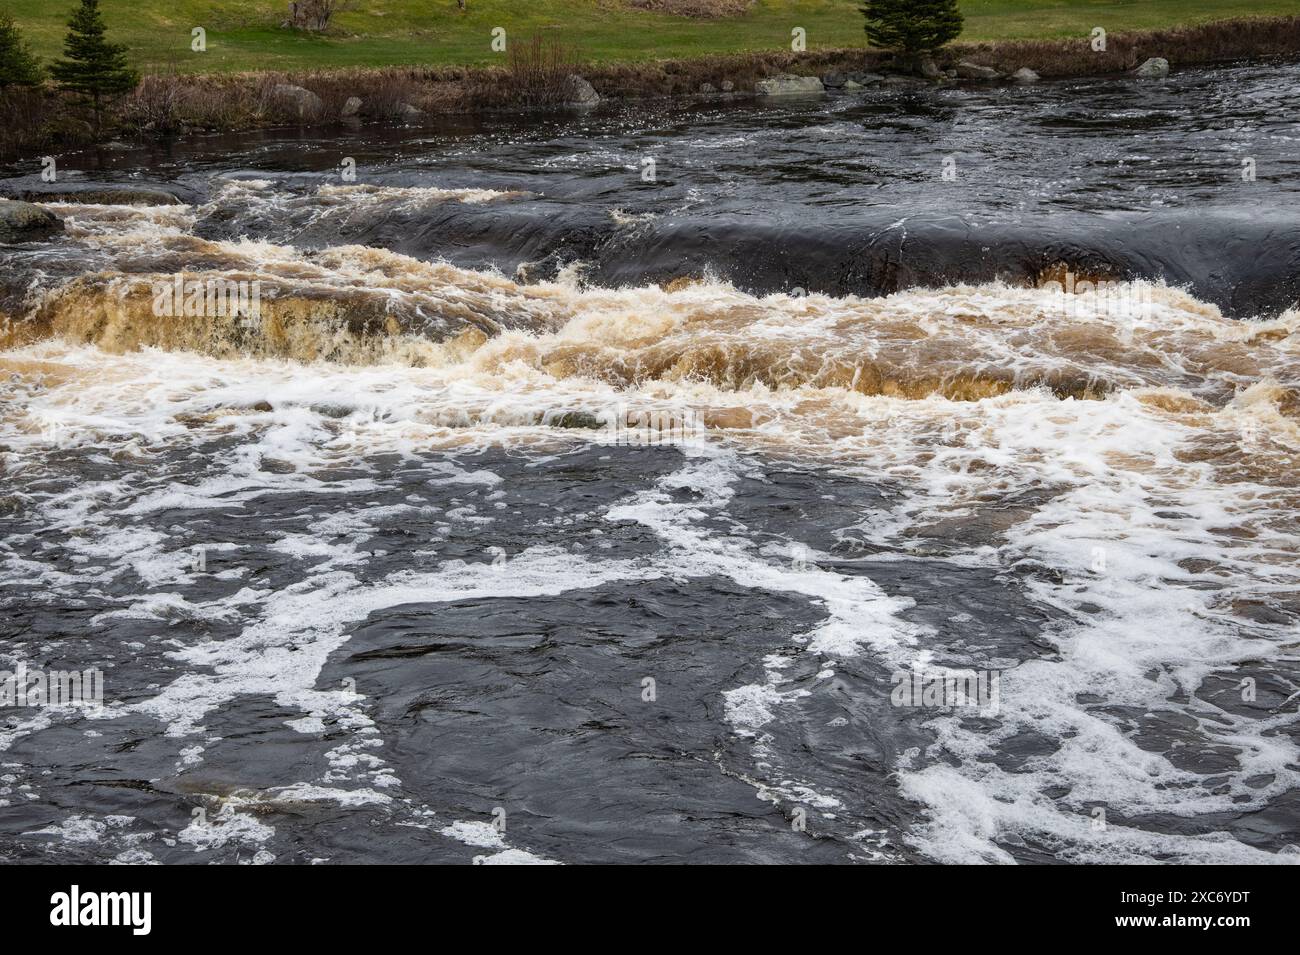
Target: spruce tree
(18, 66)
(92, 66)
(911, 27)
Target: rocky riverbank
(172, 104)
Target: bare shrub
(695, 9)
(26, 121)
(154, 104)
(382, 91)
(538, 71)
(166, 102)
(314, 15)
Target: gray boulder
(865, 79)
(787, 85)
(408, 112)
(707, 88)
(578, 92)
(727, 86)
(1025, 75)
(102, 195)
(973, 71)
(302, 103)
(24, 222)
(929, 69)
(1156, 68)
(351, 107)
(576, 419)
(834, 81)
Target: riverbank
(539, 74)
(248, 35)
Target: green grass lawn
(246, 34)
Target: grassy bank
(246, 34)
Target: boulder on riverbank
(1024, 76)
(351, 107)
(579, 94)
(788, 85)
(1156, 68)
(973, 71)
(24, 222)
(300, 102)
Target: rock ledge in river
(24, 222)
(102, 196)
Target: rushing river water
(587, 489)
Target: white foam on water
(74, 829)
(483, 835)
(1132, 509)
(480, 835)
(306, 792)
(227, 825)
(513, 857)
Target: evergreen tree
(92, 66)
(18, 66)
(911, 27)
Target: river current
(591, 488)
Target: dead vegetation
(539, 69)
(1213, 42)
(695, 9)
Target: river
(591, 488)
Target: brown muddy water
(521, 500)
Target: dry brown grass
(696, 9)
(1217, 41)
(681, 77)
